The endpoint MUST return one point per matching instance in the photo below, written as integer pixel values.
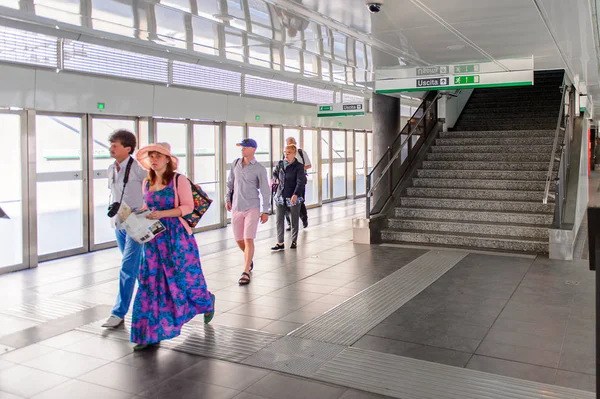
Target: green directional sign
(341, 109)
(325, 108)
(465, 80)
(466, 68)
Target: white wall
(45, 90)
(455, 106)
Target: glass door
(233, 135)
(13, 240)
(326, 165)
(262, 135)
(176, 135)
(338, 158)
(61, 186)
(207, 169)
(102, 235)
(310, 145)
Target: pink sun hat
(163, 148)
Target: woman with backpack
(172, 289)
(289, 173)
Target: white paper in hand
(141, 229)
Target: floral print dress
(172, 289)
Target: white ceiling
(558, 33)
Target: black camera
(113, 209)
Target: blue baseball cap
(248, 143)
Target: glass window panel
(292, 59)
(11, 230)
(205, 36)
(113, 16)
(144, 134)
(58, 144)
(277, 146)
(338, 72)
(176, 135)
(234, 135)
(311, 65)
(183, 5)
(59, 215)
(260, 53)
(291, 132)
(10, 4)
(234, 47)
(262, 135)
(339, 163)
(101, 131)
(260, 17)
(236, 9)
(311, 38)
(310, 146)
(325, 70)
(206, 169)
(209, 8)
(170, 26)
(67, 11)
(360, 163)
(325, 164)
(339, 48)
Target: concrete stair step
(477, 204)
(520, 141)
(467, 193)
(546, 149)
(471, 227)
(484, 174)
(544, 219)
(506, 125)
(478, 165)
(497, 134)
(498, 157)
(525, 185)
(466, 240)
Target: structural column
(386, 123)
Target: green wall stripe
(473, 86)
(341, 114)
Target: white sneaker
(113, 321)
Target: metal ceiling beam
(30, 22)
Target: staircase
(482, 185)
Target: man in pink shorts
(246, 179)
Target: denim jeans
(130, 267)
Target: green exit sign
(325, 108)
(340, 124)
(464, 80)
(466, 68)
(256, 117)
(101, 106)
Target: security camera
(374, 6)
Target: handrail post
(368, 196)
(557, 206)
(389, 153)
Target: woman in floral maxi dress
(172, 289)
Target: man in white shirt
(302, 157)
(125, 178)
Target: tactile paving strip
(348, 322)
(296, 356)
(46, 309)
(213, 340)
(408, 378)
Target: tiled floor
(524, 317)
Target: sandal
(209, 316)
(245, 279)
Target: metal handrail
(556, 135)
(397, 153)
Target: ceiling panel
(431, 44)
